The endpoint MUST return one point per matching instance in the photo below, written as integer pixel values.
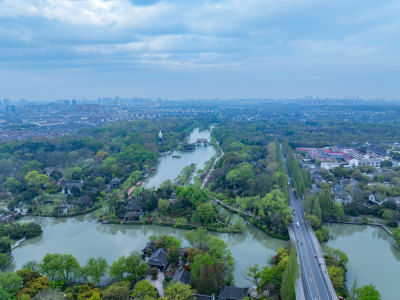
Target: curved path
(203, 184)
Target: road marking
(305, 247)
(302, 261)
(326, 288)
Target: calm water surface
(373, 258)
(84, 237)
(169, 167)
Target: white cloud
(233, 35)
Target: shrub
(392, 224)
(153, 273)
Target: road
(314, 282)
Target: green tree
(117, 291)
(173, 254)
(396, 235)
(338, 211)
(171, 241)
(368, 292)
(289, 276)
(179, 291)
(59, 266)
(32, 265)
(204, 214)
(339, 171)
(337, 276)
(314, 221)
(322, 234)
(325, 201)
(13, 185)
(316, 207)
(132, 265)
(28, 275)
(197, 238)
(254, 275)
(35, 179)
(117, 268)
(10, 284)
(32, 229)
(69, 267)
(135, 267)
(163, 206)
(96, 268)
(144, 290)
(33, 165)
(386, 164)
(5, 244)
(240, 176)
(50, 265)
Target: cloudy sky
(199, 49)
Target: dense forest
(42, 174)
(251, 176)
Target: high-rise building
(10, 109)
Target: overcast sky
(199, 49)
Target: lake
(373, 258)
(84, 237)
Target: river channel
(84, 237)
(373, 258)
(169, 167)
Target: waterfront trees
(368, 292)
(96, 268)
(278, 279)
(396, 236)
(132, 265)
(210, 268)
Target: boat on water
(176, 156)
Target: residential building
(159, 259)
(233, 293)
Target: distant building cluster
(350, 157)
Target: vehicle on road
(293, 211)
(297, 224)
(315, 255)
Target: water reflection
(84, 237)
(373, 258)
(170, 167)
(343, 231)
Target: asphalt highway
(314, 283)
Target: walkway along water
(17, 243)
(203, 184)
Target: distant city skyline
(199, 49)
